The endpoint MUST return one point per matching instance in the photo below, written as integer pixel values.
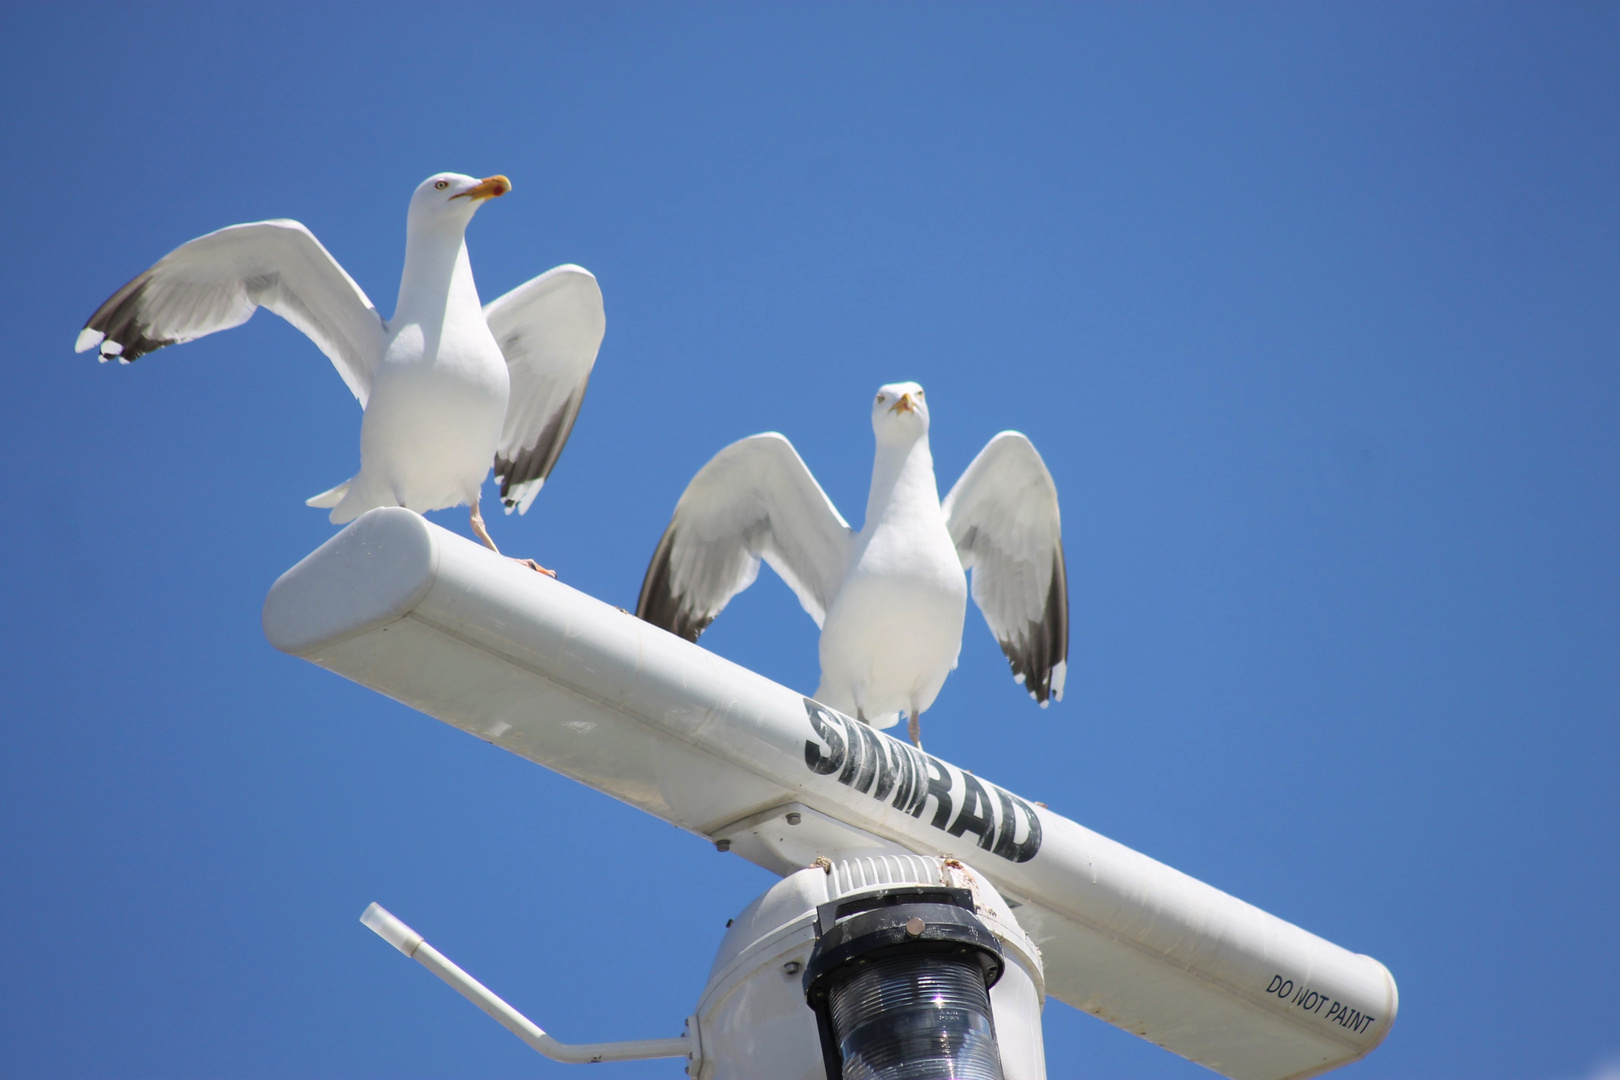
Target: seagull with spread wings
(447, 385)
(890, 599)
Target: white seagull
(890, 599)
(447, 386)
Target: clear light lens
(916, 1017)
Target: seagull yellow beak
(490, 187)
(904, 404)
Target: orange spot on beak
(905, 404)
(490, 187)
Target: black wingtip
(119, 322)
(536, 462)
(1045, 643)
(658, 603)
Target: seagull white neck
(902, 476)
(438, 278)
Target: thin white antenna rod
(409, 942)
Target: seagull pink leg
(915, 730)
(483, 534)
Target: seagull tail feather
(328, 498)
(887, 720)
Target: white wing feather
(754, 500)
(217, 281)
(550, 329)
(1003, 517)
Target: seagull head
(451, 199)
(900, 412)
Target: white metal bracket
(409, 942)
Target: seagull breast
(894, 631)
(431, 429)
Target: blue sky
(1312, 310)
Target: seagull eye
(881, 399)
(442, 184)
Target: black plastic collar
(870, 926)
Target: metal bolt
(722, 845)
(793, 817)
(915, 926)
(792, 967)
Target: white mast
(441, 624)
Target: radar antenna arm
(386, 926)
(446, 626)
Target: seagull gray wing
(1003, 517)
(217, 281)
(754, 500)
(550, 329)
